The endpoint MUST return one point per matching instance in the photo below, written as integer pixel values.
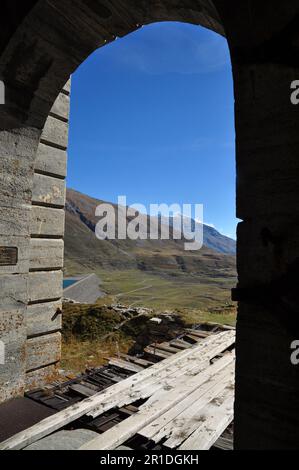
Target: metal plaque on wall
(8, 256)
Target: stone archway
(53, 39)
(42, 42)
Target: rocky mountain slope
(162, 256)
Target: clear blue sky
(152, 118)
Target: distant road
(86, 291)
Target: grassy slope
(158, 274)
(89, 336)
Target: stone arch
(42, 43)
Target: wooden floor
(179, 395)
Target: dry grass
(77, 356)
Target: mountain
(82, 246)
(211, 237)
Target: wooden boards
(114, 396)
(159, 404)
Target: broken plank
(187, 409)
(82, 390)
(198, 360)
(193, 337)
(196, 414)
(125, 365)
(180, 344)
(167, 348)
(218, 419)
(63, 418)
(137, 360)
(152, 410)
(199, 333)
(157, 352)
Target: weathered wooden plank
(180, 344)
(150, 411)
(192, 417)
(157, 352)
(48, 191)
(56, 133)
(82, 390)
(185, 414)
(45, 286)
(61, 107)
(192, 337)
(47, 222)
(125, 365)
(73, 413)
(43, 318)
(200, 334)
(167, 348)
(191, 361)
(46, 254)
(43, 351)
(218, 419)
(137, 360)
(224, 443)
(51, 160)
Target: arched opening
(41, 47)
(33, 197)
(152, 118)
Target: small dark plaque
(8, 256)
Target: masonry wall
(44, 311)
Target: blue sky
(152, 118)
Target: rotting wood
(153, 409)
(125, 365)
(186, 410)
(61, 419)
(217, 421)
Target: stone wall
(44, 312)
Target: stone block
(46, 254)
(47, 222)
(45, 286)
(48, 191)
(43, 318)
(56, 133)
(43, 351)
(51, 160)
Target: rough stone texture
(67, 87)
(45, 286)
(47, 222)
(55, 132)
(48, 191)
(13, 336)
(51, 160)
(17, 155)
(41, 377)
(65, 440)
(46, 254)
(14, 291)
(37, 57)
(15, 221)
(43, 351)
(43, 318)
(61, 107)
